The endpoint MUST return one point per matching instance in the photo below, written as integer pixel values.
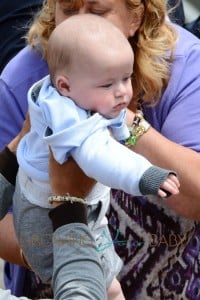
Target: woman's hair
(153, 44)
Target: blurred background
(192, 9)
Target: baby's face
(102, 81)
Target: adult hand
(12, 146)
(68, 178)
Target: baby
(79, 110)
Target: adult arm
(77, 271)
(9, 249)
(9, 167)
(186, 162)
(174, 141)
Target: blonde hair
(153, 44)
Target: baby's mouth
(120, 106)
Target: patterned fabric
(161, 252)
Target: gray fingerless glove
(152, 179)
(6, 194)
(8, 171)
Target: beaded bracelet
(138, 128)
(66, 198)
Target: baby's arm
(112, 164)
(98, 154)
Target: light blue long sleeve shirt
(69, 130)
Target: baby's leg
(111, 264)
(114, 291)
(34, 232)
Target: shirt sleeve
(178, 113)
(75, 249)
(11, 115)
(111, 163)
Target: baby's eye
(127, 78)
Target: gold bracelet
(23, 259)
(138, 128)
(66, 198)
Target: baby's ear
(62, 85)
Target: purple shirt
(177, 117)
(18, 76)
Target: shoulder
(187, 47)
(185, 71)
(179, 100)
(27, 65)
(18, 76)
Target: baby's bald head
(80, 39)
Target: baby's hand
(169, 187)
